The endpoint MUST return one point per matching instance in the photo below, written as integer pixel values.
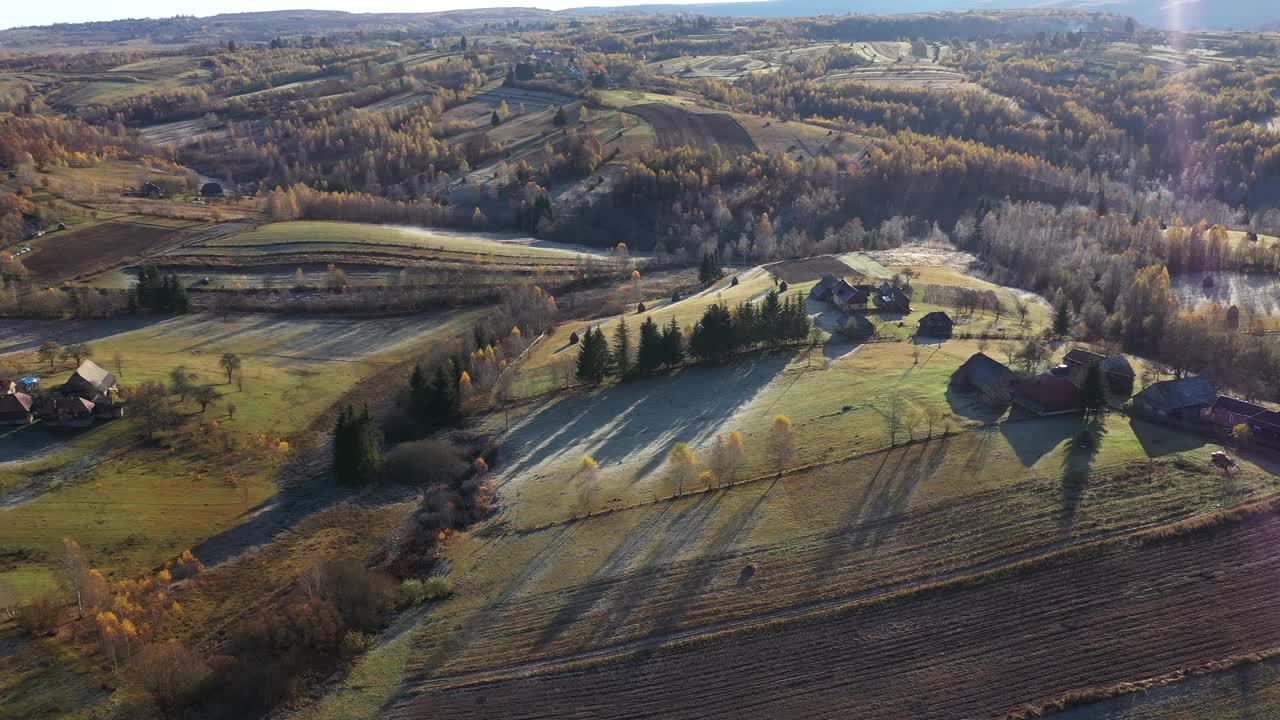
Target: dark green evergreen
(709, 271)
(1094, 391)
(649, 352)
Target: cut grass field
(338, 237)
(544, 587)
(133, 508)
(1113, 613)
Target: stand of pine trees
(438, 403)
(716, 338)
(357, 448)
(159, 293)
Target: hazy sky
(27, 12)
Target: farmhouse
(91, 383)
(1048, 393)
(822, 291)
(1180, 401)
(936, 324)
(1119, 372)
(849, 297)
(151, 190)
(891, 298)
(15, 409)
(1227, 412)
(69, 411)
(984, 374)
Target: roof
(1048, 393)
(844, 293)
(1172, 395)
(73, 405)
(1237, 406)
(1080, 356)
(90, 377)
(980, 370)
(937, 316)
(1118, 365)
(15, 403)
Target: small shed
(936, 324)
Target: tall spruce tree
(672, 344)
(593, 357)
(357, 452)
(1061, 314)
(713, 338)
(649, 353)
(1094, 391)
(709, 271)
(621, 349)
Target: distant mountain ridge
(1164, 14)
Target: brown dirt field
(1116, 613)
(809, 269)
(95, 248)
(675, 127)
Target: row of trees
(720, 333)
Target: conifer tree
(1061, 314)
(621, 349)
(672, 344)
(649, 354)
(1094, 392)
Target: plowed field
(675, 127)
(1122, 612)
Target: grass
(315, 235)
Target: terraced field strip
(735, 555)
(981, 648)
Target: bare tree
(895, 416)
(782, 443)
(206, 396)
(727, 456)
(1022, 309)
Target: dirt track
(675, 127)
(1126, 613)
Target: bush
(356, 642)
(417, 592)
(40, 616)
(425, 462)
(173, 675)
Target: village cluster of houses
(1191, 403)
(1056, 391)
(89, 395)
(858, 299)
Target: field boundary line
(981, 573)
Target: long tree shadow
(1032, 437)
(638, 422)
(1077, 465)
(1160, 440)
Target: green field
(315, 236)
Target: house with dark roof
(151, 190)
(1119, 373)
(849, 298)
(1179, 401)
(212, 189)
(68, 411)
(891, 298)
(1227, 412)
(983, 374)
(936, 324)
(1048, 394)
(15, 409)
(822, 291)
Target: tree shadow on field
(1032, 437)
(970, 405)
(639, 421)
(1077, 464)
(638, 587)
(875, 517)
(1160, 440)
